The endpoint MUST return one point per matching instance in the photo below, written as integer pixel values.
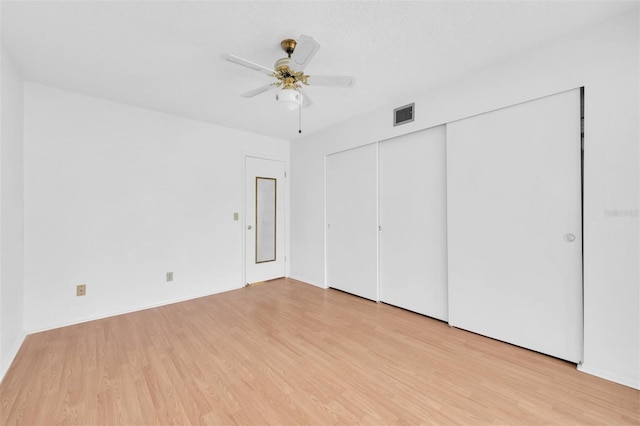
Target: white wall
(116, 196)
(11, 212)
(605, 59)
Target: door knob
(569, 238)
(249, 227)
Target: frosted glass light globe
(289, 99)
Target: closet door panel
(413, 251)
(514, 225)
(352, 221)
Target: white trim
(128, 311)
(243, 218)
(325, 282)
(11, 356)
(632, 382)
(306, 281)
(16, 347)
(378, 221)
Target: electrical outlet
(169, 276)
(81, 290)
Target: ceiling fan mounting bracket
(288, 45)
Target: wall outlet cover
(81, 290)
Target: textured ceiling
(165, 55)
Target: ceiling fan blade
(306, 100)
(306, 48)
(332, 80)
(248, 64)
(259, 90)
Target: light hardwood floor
(290, 353)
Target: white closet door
(352, 221)
(413, 237)
(514, 225)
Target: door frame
(243, 210)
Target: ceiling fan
(290, 75)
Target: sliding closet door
(514, 225)
(413, 236)
(352, 221)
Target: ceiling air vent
(404, 114)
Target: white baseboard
(302, 279)
(126, 311)
(6, 363)
(632, 382)
(8, 360)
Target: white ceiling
(165, 55)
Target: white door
(413, 236)
(514, 225)
(264, 219)
(352, 221)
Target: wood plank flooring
(291, 353)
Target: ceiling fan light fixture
(290, 75)
(289, 99)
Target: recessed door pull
(569, 238)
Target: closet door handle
(569, 238)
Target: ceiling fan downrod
(288, 45)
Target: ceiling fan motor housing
(282, 64)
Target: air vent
(404, 114)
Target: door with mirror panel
(264, 219)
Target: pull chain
(300, 116)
